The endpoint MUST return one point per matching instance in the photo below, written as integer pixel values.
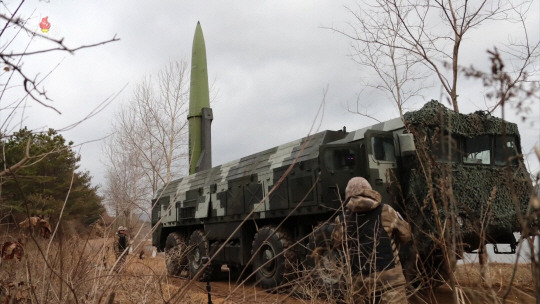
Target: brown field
(468, 279)
(76, 271)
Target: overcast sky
(269, 62)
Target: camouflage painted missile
(200, 114)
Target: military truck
(452, 176)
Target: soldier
(121, 244)
(370, 231)
(37, 222)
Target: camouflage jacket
(367, 200)
(121, 244)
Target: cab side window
(383, 148)
(339, 159)
(447, 148)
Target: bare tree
(150, 137)
(396, 69)
(125, 190)
(407, 32)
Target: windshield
(505, 149)
(481, 150)
(477, 150)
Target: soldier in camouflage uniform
(371, 231)
(121, 244)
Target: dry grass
(522, 288)
(470, 287)
(469, 275)
(80, 271)
(76, 271)
(149, 277)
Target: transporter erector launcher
(289, 192)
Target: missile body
(200, 114)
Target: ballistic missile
(200, 114)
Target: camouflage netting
(435, 114)
(471, 190)
(471, 185)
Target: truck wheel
(321, 237)
(424, 272)
(175, 254)
(271, 259)
(436, 272)
(325, 264)
(198, 248)
(329, 272)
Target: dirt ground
(224, 289)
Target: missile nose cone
(199, 93)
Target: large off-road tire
(436, 270)
(325, 264)
(328, 275)
(175, 254)
(198, 249)
(321, 237)
(424, 271)
(272, 260)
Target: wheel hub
(329, 267)
(196, 258)
(268, 258)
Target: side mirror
(406, 144)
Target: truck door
(339, 163)
(381, 154)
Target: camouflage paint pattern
(217, 199)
